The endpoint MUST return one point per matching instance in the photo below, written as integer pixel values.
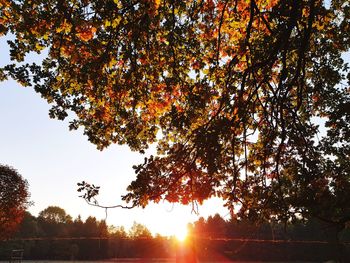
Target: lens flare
(181, 234)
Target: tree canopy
(55, 214)
(138, 230)
(229, 91)
(14, 199)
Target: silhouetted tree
(200, 227)
(55, 214)
(102, 229)
(29, 227)
(117, 232)
(54, 221)
(216, 226)
(138, 230)
(77, 229)
(91, 227)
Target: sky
(53, 160)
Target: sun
(181, 234)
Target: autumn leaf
(86, 33)
(157, 3)
(65, 27)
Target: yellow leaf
(107, 23)
(65, 27)
(39, 47)
(157, 3)
(118, 3)
(116, 21)
(112, 63)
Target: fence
(206, 249)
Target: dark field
(165, 260)
(206, 250)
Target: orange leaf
(86, 33)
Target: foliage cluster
(14, 200)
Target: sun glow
(181, 234)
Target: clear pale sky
(54, 159)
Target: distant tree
(117, 232)
(200, 227)
(102, 229)
(91, 227)
(77, 229)
(14, 200)
(55, 214)
(29, 227)
(216, 226)
(55, 221)
(139, 231)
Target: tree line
(216, 227)
(54, 222)
(54, 234)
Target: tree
(139, 231)
(117, 232)
(77, 227)
(216, 226)
(102, 229)
(91, 227)
(228, 91)
(200, 227)
(55, 221)
(55, 214)
(14, 200)
(29, 227)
